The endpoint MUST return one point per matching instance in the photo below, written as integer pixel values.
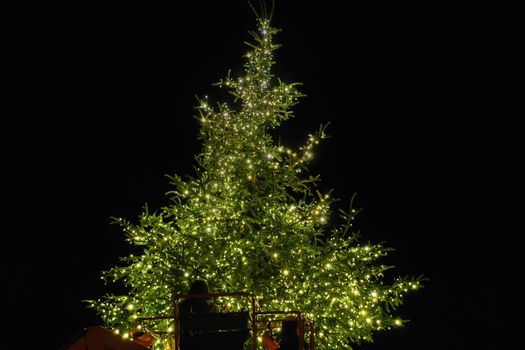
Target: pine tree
(251, 219)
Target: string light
(252, 216)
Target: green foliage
(252, 220)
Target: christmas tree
(251, 219)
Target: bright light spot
(208, 229)
(130, 306)
(374, 294)
(275, 255)
(397, 322)
(186, 274)
(286, 272)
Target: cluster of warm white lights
(251, 221)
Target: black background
(102, 102)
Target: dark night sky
(110, 113)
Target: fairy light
(252, 216)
